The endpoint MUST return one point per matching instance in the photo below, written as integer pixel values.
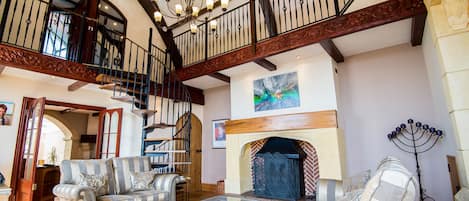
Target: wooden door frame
(99, 140)
(21, 136)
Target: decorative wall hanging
(6, 113)
(218, 134)
(416, 138)
(276, 92)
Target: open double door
(29, 134)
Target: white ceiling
(205, 82)
(360, 42)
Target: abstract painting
(218, 134)
(276, 92)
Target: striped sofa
(391, 182)
(117, 171)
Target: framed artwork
(276, 92)
(218, 134)
(6, 112)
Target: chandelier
(188, 8)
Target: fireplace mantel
(310, 120)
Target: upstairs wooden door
(109, 132)
(30, 128)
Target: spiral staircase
(144, 78)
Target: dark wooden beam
(418, 26)
(189, 18)
(269, 17)
(150, 7)
(266, 64)
(76, 85)
(376, 15)
(33, 61)
(332, 50)
(221, 77)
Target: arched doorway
(56, 139)
(195, 168)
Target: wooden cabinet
(46, 178)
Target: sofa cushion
(70, 171)
(140, 195)
(392, 181)
(142, 181)
(122, 169)
(99, 183)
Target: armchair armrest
(74, 192)
(329, 190)
(167, 183)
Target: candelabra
(416, 138)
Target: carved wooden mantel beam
(376, 15)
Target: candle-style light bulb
(193, 28)
(209, 5)
(224, 4)
(178, 8)
(195, 11)
(213, 25)
(158, 16)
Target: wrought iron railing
(236, 27)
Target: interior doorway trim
(21, 135)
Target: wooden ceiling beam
(150, 7)
(189, 18)
(418, 26)
(269, 17)
(221, 77)
(332, 50)
(264, 63)
(373, 16)
(76, 85)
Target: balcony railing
(260, 18)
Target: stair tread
(112, 79)
(127, 99)
(157, 139)
(144, 111)
(117, 87)
(159, 125)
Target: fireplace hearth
(278, 170)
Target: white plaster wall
(381, 89)
(217, 102)
(315, 82)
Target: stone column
(448, 23)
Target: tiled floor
(198, 196)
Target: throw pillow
(142, 181)
(98, 183)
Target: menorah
(416, 138)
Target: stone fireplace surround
(319, 129)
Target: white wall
(379, 90)
(315, 82)
(217, 101)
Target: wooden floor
(197, 196)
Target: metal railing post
(3, 23)
(336, 6)
(206, 38)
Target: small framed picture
(6, 113)
(218, 134)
